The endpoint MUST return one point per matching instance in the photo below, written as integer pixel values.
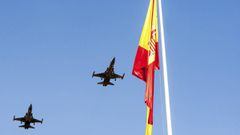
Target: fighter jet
(108, 74)
(28, 119)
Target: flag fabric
(147, 60)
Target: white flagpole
(165, 75)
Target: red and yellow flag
(147, 60)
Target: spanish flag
(147, 60)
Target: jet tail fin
(22, 126)
(105, 83)
(100, 82)
(31, 127)
(26, 127)
(109, 83)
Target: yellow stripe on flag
(146, 31)
(150, 24)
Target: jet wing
(22, 119)
(101, 75)
(114, 76)
(36, 121)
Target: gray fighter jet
(108, 75)
(28, 119)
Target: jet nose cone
(30, 107)
(113, 60)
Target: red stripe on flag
(149, 93)
(140, 63)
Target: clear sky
(49, 49)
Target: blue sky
(49, 48)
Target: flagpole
(165, 75)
